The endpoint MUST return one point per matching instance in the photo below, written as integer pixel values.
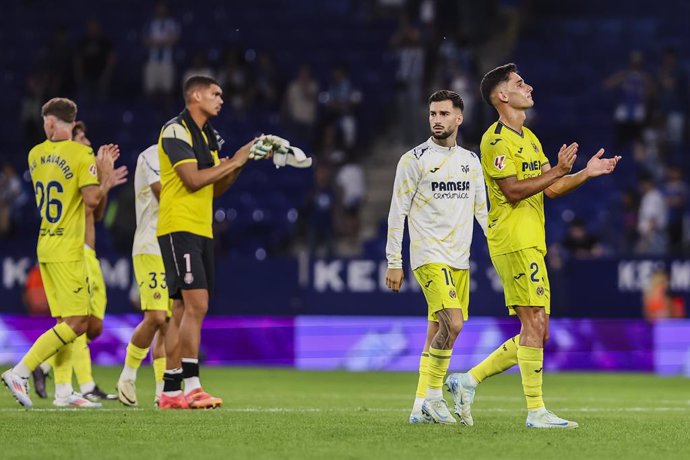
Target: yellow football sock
(502, 358)
(135, 356)
(63, 365)
(423, 381)
(439, 360)
(531, 362)
(50, 361)
(48, 344)
(81, 360)
(158, 369)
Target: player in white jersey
(439, 188)
(150, 275)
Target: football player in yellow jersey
(65, 177)
(81, 354)
(518, 175)
(191, 176)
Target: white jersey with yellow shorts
(146, 254)
(439, 190)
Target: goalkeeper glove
(267, 143)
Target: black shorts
(188, 260)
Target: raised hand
(598, 166)
(105, 161)
(566, 158)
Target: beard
(443, 134)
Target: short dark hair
(61, 108)
(495, 77)
(196, 81)
(79, 126)
(447, 95)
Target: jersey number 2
(46, 197)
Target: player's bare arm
(156, 190)
(394, 279)
(515, 190)
(596, 166)
(226, 182)
(195, 179)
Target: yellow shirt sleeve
(497, 158)
(88, 172)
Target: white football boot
(460, 386)
(542, 418)
(75, 400)
(18, 386)
(418, 417)
(127, 392)
(438, 411)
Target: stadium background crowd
(348, 80)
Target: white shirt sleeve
(151, 166)
(481, 212)
(407, 176)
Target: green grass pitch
(281, 413)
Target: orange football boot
(199, 399)
(173, 402)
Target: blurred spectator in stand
(580, 243)
(408, 80)
(160, 37)
(94, 63)
(34, 295)
(341, 100)
(635, 87)
(629, 206)
(199, 66)
(331, 149)
(318, 213)
(30, 110)
(234, 78)
(658, 302)
(267, 81)
(352, 190)
(300, 105)
(676, 191)
(460, 80)
(60, 61)
(12, 199)
(672, 81)
(652, 220)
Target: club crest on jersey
(534, 146)
(465, 168)
(540, 290)
(500, 162)
(452, 294)
(92, 170)
(188, 278)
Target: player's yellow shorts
(150, 275)
(66, 287)
(444, 287)
(524, 278)
(99, 298)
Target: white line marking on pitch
(354, 409)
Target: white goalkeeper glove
(267, 143)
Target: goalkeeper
(191, 175)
